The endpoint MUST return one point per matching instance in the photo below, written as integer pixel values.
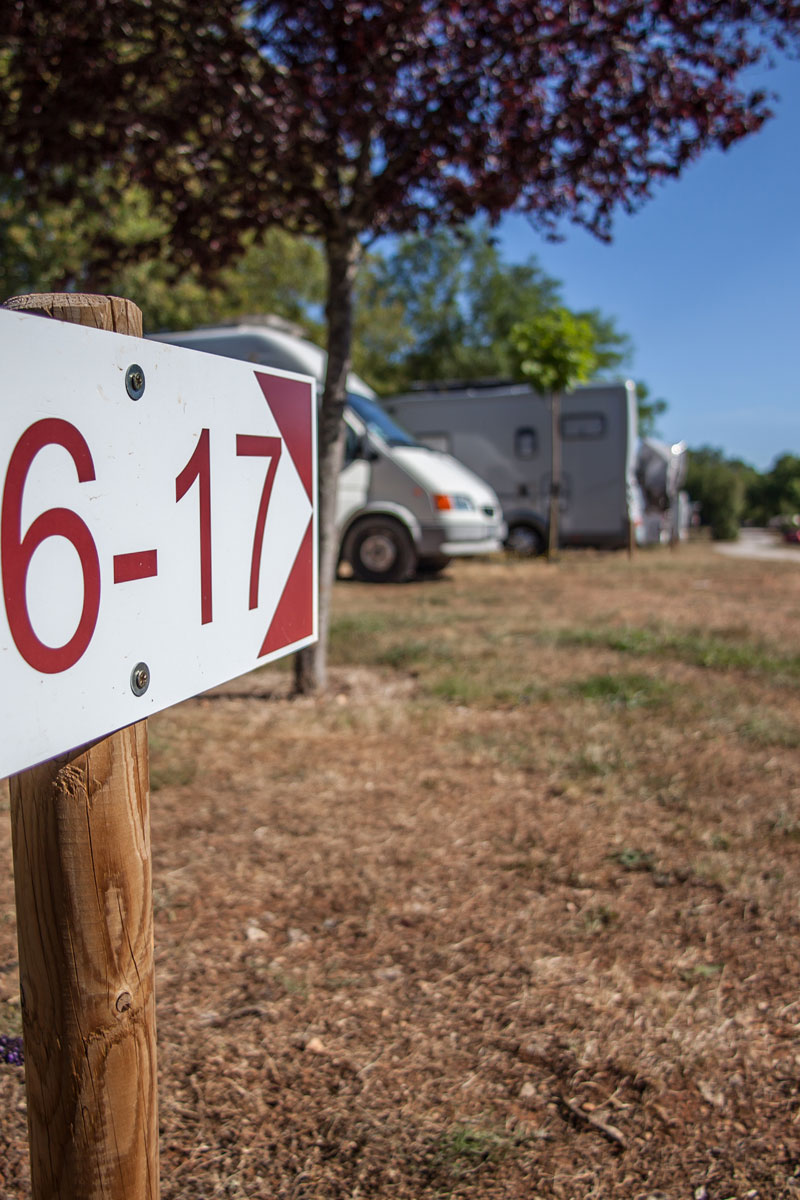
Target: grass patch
(631, 858)
(701, 972)
(786, 826)
(387, 640)
(464, 1149)
(596, 760)
(168, 767)
(771, 731)
(484, 689)
(404, 655)
(695, 647)
(353, 637)
(290, 984)
(624, 691)
(10, 1019)
(505, 747)
(462, 688)
(598, 917)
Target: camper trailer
(503, 433)
(401, 507)
(661, 472)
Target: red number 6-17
(17, 551)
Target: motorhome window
(378, 421)
(577, 427)
(526, 443)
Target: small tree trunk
(343, 253)
(555, 476)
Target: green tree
(441, 307)
(719, 486)
(648, 410)
(60, 243)
(55, 246)
(775, 493)
(456, 301)
(555, 351)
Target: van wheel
(382, 552)
(433, 565)
(525, 541)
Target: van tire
(433, 565)
(524, 540)
(381, 551)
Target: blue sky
(706, 281)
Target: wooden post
(82, 873)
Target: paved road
(759, 543)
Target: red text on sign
(199, 468)
(16, 551)
(259, 447)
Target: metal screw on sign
(140, 679)
(134, 381)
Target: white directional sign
(157, 528)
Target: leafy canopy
(107, 239)
(730, 491)
(719, 486)
(442, 306)
(776, 493)
(649, 409)
(354, 118)
(555, 350)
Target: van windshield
(377, 421)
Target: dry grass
(512, 913)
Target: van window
(582, 426)
(378, 421)
(352, 445)
(526, 442)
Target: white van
(401, 507)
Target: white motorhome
(502, 431)
(401, 507)
(661, 472)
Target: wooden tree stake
(82, 871)
(553, 527)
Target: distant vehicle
(502, 431)
(790, 528)
(661, 471)
(401, 507)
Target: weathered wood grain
(78, 308)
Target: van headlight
(448, 503)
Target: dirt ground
(512, 912)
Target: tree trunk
(343, 254)
(555, 477)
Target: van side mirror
(364, 450)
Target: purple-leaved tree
(350, 119)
